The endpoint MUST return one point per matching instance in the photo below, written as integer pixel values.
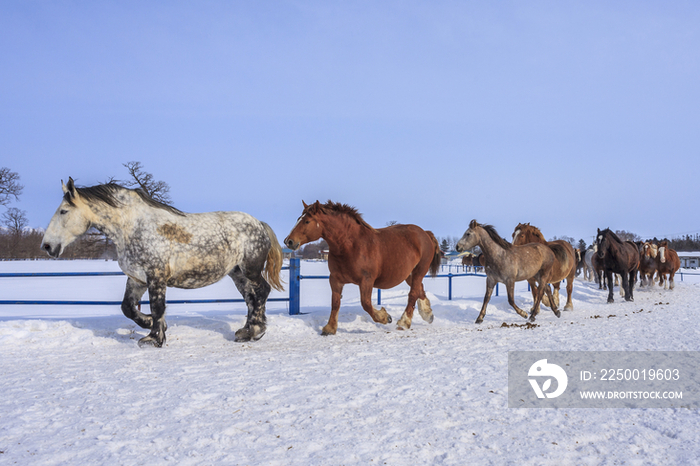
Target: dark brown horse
(667, 262)
(647, 263)
(617, 256)
(508, 264)
(565, 262)
(370, 258)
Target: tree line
(18, 242)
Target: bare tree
(568, 239)
(9, 186)
(627, 235)
(158, 190)
(15, 220)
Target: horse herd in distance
(159, 246)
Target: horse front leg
(378, 315)
(156, 295)
(630, 278)
(131, 305)
(609, 278)
(490, 285)
(336, 295)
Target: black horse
(620, 257)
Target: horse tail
(273, 265)
(437, 255)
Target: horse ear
(70, 188)
(473, 224)
(305, 206)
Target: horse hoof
(557, 313)
(388, 319)
(531, 319)
(478, 321)
(432, 317)
(247, 334)
(611, 300)
(149, 341)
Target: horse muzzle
(53, 251)
(291, 244)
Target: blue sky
(568, 115)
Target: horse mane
(612, 235)
(533, 230)
(336, 208)
(493, 234)
(106, 193)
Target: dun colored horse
(564, 266)
(620, 257)
(506, 263)
(368, 257)
(647, 263)
(159, 246)
(667, 263)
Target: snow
(78, 390)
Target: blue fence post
(379, 297)
(449, 286)
(496, 288)
(294, 286)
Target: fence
(294, 297)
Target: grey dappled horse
(159, 246)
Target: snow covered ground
(78, 390)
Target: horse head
(72, 219)
(601, 241)
(649, 250)
(308, 227)
(518, 230)
(469, 239)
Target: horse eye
(64, 212)
(307, 222)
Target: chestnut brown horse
(565, 262)
(370, 258)
(506, 263)
(620, 257)
(647, 263)
(667, 262)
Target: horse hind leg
(423, 303)
(425, 311)
(569, 306)
(156, 296)
(255, 291)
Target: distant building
(689, 259)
